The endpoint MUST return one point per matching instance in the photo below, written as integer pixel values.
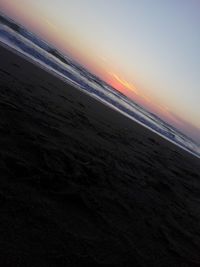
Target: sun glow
(123, 82)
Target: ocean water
(38, 51)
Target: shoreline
(66, 80)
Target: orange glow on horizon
(124, 82)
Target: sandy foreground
(82, 185)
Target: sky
(147, 49)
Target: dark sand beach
(82, 185)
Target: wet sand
(82, 185)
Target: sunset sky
(147, 49)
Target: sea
(33, 48)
